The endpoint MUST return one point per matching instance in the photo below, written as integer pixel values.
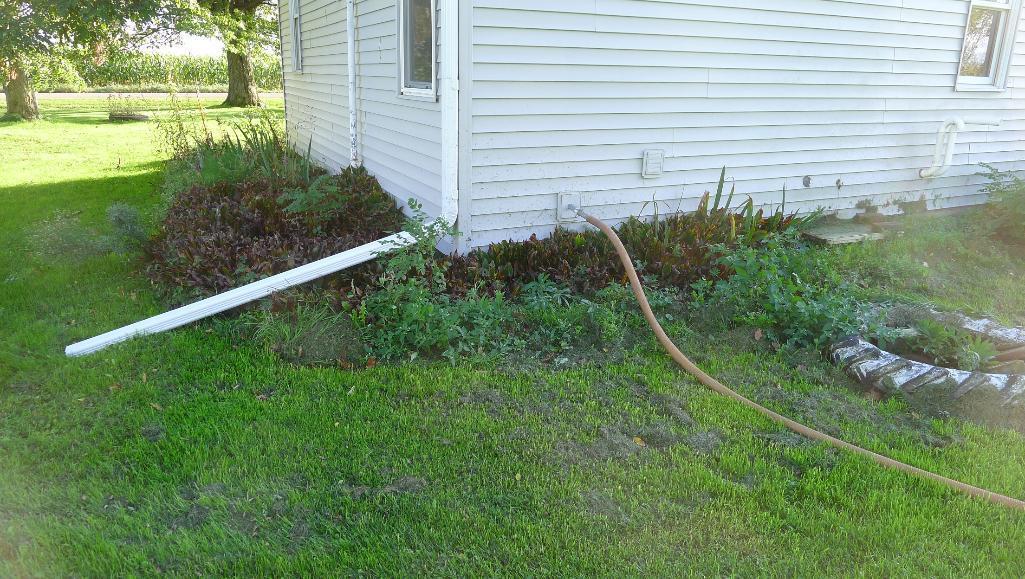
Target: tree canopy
(245, 26)
(40, 24)
(31, 28)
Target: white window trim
(425, 94)
(997, 80)
(296, 23)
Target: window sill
(418, 95)
(968, 87)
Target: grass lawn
(181, 453)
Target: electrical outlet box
(566, 199)
(654, 163)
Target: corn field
(76, 71)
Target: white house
(519, 107)
(500, 115)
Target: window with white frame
(295, 18)
(417, 45)
(988, 44)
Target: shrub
(246, 206)
(1006, 212)
(122, 107)
(55, 72)
(790, 292)
(250, 145)
(217, 237)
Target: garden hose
(797, 427)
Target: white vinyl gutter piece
(243, 295)
(946, 140)
(449, 94)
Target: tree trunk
(241, 82)
(21, 99)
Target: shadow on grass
(22, 204)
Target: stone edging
(891, 373)
(984, 327)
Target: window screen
(297, 41)
(980, 42)
(418, 44)
(988, 43)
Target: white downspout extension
(946, 140)
(449, 95)
(350, 38)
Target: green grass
(184, 453)
(947, 260)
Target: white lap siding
(567, 95)
(399, 138)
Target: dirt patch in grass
(243, 521)
(153, 432)
(405, 485)
(612, 443)
(63, 236)
(830, 411)
(705, 441)
(491, 399)
(192, 518)
(601, 505)
(113, 504)
(785, 438)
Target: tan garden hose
(797, 427)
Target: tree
(245, 26)
(29, 29)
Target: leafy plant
(1006, 212)
(123, 106)
(217, 237)
(329, 198)
(543, 293)
(671, 251)
(310, 332)
(182, 131)
(952, 346)
(788, 291)
(410, 312)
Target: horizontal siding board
(568, 95)
(684, 169)
(753, 135)
(399, 138)
(755, 178)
